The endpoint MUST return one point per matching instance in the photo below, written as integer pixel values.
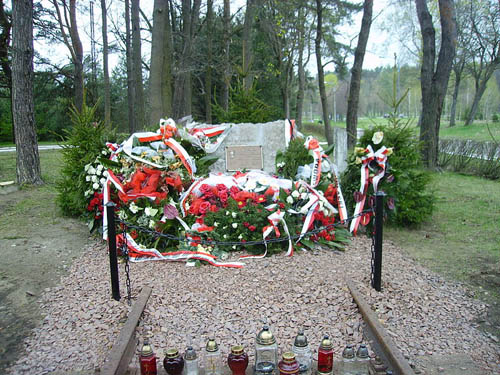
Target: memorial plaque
(243, 157)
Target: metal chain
(240, 243)
(127, 265)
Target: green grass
(50, 164)
(462, 240)
(38, 201)
(478, 131)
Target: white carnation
(234, 225)
(289, 199)
(95, 186)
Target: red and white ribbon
(138, 254)
(313, 146)
(274, 219)
(186, 160)
(380, 157)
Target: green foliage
(5, 121)
(410, 188)
(84, 144)
(494, 118)
(245, 106)
(294, 156)
(408, 185)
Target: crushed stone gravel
(424, 313)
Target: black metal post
(113, 260)
(379, 220)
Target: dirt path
(37, 246)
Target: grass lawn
(462, 240)
(478, 131)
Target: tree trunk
(300, 70)
(160, 12)
(478, 93)
(208, 70)
(357, 68)
(321, 73)
(6, 25)
(28, 161)
(167, 78)
(132, 125)
(107, 94)
(78, 61)
(227, 63)
(137, 66)
(246, 40)
(183, 87)
(453, 109)
(434, 82)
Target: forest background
(223, 52)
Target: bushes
(84, 144)
(410, 185)
(470, 157)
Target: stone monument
(251, 146)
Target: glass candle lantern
(325, 356)
(362, 360)
(237, 360)
(147, 359)
(349, 361)
(288, 364)
(266, 352)
(213, 361)
(190, 362)
(173, 362)
(302, 353)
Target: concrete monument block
(270, 135)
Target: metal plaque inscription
(243, 157)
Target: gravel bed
(424, 313)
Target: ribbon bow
(274, 219)
(312, 145)
(378, 158)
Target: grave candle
(212, 358)
(237, 360)
(266, 351)
(288, 364)
(302, 353)
(147, 359)
(173, 362)
(325, 356)
(190, 362)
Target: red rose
(221, 188)
(204, 188)
(223, 197)
(204, 207)
(252, 228)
